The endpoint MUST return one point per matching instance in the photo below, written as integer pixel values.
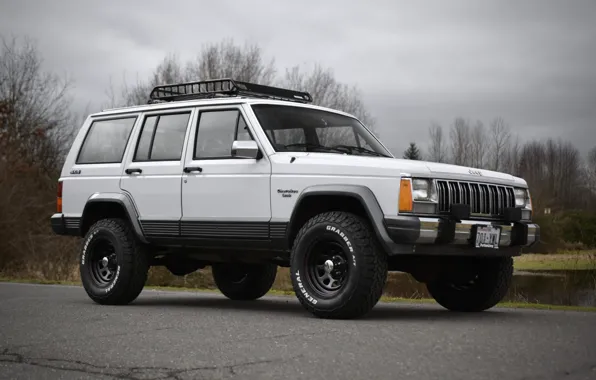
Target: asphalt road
(56, 332)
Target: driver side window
(217, 130)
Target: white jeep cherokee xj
(245, 178)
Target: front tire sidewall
(327, 231)
(120, 280)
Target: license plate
(487, 237)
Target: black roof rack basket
(221, 88)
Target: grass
(286, 293)
(574, 260)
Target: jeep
(245, 178)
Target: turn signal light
(405, 196)
(59, 197)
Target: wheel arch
(321, 198)
(105, 205)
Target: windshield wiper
(314, 146)
(359, 149)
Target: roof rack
(223, 87)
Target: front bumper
(411, 234)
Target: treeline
(561, 181)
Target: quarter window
(217, 130)
(106, 141)
(162, 137)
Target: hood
(467, 173)
(332, 164)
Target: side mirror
(245, 149)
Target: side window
(106, 141)
(216, 132)
(162, 137)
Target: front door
(225, 200)
(153, 171)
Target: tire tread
(371, 283)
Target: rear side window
(162, 137)
(106, 141)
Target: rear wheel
(480, 284)
(337, 268)
(114, 265)
(239, 281)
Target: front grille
(485, 200)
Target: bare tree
(169, 70)
(512, 157)
(327, 91)
(226, 59)
(37, 121)
(591, 170)
(553, 171)
(437, 149)
(460, 141)
(499, 135)
(478, 145)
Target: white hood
(370, 166)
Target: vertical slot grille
(484, 199)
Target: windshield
(299, 129)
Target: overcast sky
(531, 62)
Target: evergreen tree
(412, 153)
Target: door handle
(190, 169)
(133, 170)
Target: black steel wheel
(337, 268)
(103, 262)
(328, 267)
(114, 265)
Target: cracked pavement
(56, 332)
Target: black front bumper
(62, 225)
(412, 234)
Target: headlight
(424, 190)
(521, 197)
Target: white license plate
(487, 237)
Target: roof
(210, 102)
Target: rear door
(153, 170)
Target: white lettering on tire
(345, 239)
(114, 280)
(303, 291)
(86, 245)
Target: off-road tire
(366, 266)
(132, 261)
(243, 282)
(494, 276)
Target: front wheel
(337, 267)
(480, 284)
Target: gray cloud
(530, 62)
